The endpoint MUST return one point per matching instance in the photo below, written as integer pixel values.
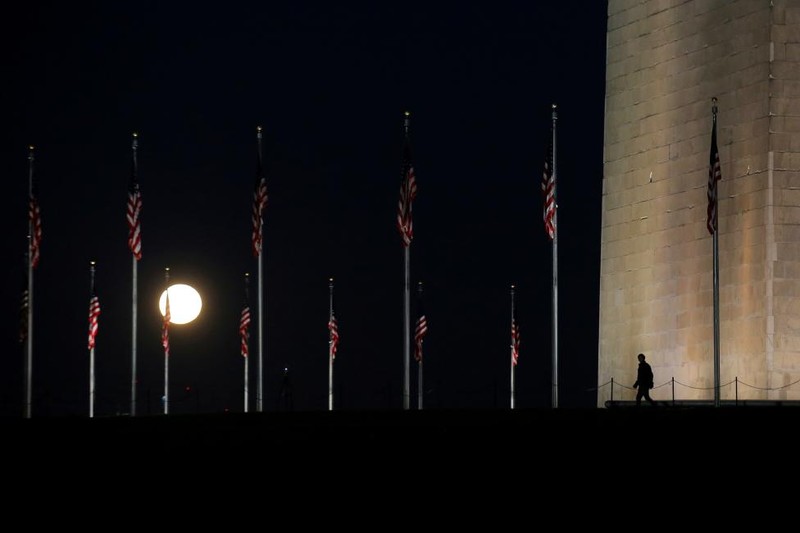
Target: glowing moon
(184, 303)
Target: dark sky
(329, 83)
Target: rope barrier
(676, 382)
(690, 387)
(599, 386)
(620, 385)
(770, 388)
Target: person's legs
(639, 393)
(647, 397)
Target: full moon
(184, 303)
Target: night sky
(329, 84)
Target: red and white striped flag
(714, 175)
(35, 220)
(244, 326)
(514, 341)
(133, 215)
(420, 331)
(165, 328)
(259, 203)
(94, 315)
(408, 191)
(549, 194)
(333, 329)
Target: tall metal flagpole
(134, 294)
(716, 320)
(91, 349)
(716, 262)
(260, 399)
(554, 400)
(166, 348)
(406, 327)
(420, 388)
(513, 340)
(330, 345)
(406, 303)
(29, 344)
(247, 356)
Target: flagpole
(716, 320)
(247, 357)
(513, 340)
(420, 388)
(406, 327)
(134, 294)
(716, 273)
(330, 345)
(406, 304)
(29, 344)
(166, 350)
(260, 398)
(408, 190)
(91, 350)
(554, 334)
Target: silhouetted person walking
(644, 382)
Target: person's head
(641, 357)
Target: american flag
(549, 194)
(408, 191)
(333, 328)
(133, 215)
(514, 341)
(714, 175)
(35, 220)
(259, 203)
(244, 326)
(165, 328)
(419, 334)
(94, 315)
(23, 317)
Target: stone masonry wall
(666, 59)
